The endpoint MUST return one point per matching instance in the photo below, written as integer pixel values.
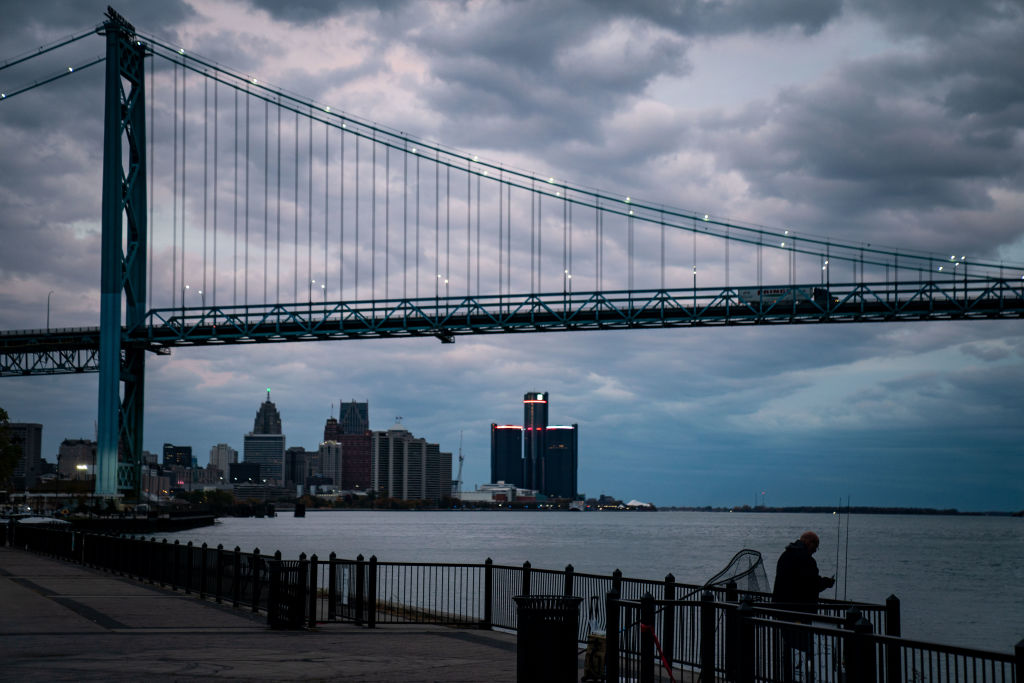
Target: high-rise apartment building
(352, 432)
(409, 468)
(28, 437)
(331, 457)
(536, 455)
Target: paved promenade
(60, 622)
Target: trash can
(547, 638)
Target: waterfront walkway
(61, 621)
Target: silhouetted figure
(797, 584)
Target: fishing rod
(839, 524)
(846, 558)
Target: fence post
(236, 578)
(254, 565)
(892, 628)
(526, 578)
(1018, 665)
(611, 657)
(747, 646)
(371, 606)
(360, 585)
(488, 594)
(617, 581)
(313, 563)
(203, 566)
(219, 583)
(732, 593)
(188, 567)
(568, 579)
(332, 588)
(175, 552)
(668, 619)
(647, 638)
(707, 636)
(860, 663)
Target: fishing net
(746, 568)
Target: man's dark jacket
(797, 581)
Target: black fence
(663, 630)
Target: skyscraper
(268, 420)
(352, 431)
(354, 418)
(28, 436)
(536, 455)
(265, 444)
(180, 456)
(535, 422)
(507, 454)
(409, 468)
(221, 456)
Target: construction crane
(458, 479)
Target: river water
(960, 580)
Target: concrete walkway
(60, 622)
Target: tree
(10, 452)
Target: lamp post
(48, 310)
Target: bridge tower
(123, 265)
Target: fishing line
(839, 524)
(846, 560)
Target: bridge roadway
(65, 622)
(74, 350)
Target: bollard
(617, 581)
(488, 620)
(611, 611)
(668, 619)
(707, 636)
(732, 593)
(203, 571)
(526, 578)
(568, 579)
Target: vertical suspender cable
(152, 130)
(417, 226)
(540, 243)
(501, 227)
(355, 249)
(341, 219)
(245, 281)
(206, 166)
(437, 221)
(277, 210)
(469, 240)
(727, 240)
(662, 250)
(309, 212)
(266, 195)
(327, 203)
(373, 215)
(533, 236)
(570, 238)
(234, 269)
(597, 243)
(405, 221)
(447, 226)
(478, 203)
(387, 220)
(184, 166)
(295, 217)
(565, 243)
(508, 240)
(174, 199)
(216, 186)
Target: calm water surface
(960, 579)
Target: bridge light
(631, 212)
(181, 51)
(71, 69)
(786, 233)
(475, 157)
(826, 262)
(952, 258)
(558, 194)
(705, 216)
(3, 96)
(782, 244)
(962, 258)
(627, 200)
(940, 267)
(254, 81)
(327, 109)
(486, 173)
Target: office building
(177, 456)
(28, 438)
(352, 432)
(297, 463)
(221, 456)
(354, 418)
(409, 468)
(331, 462)
(507, 454)
(76, 459)
(536, 455)
(268, 420)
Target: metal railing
(689, 629)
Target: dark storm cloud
(55, 16)
(938, 19)
(311, 11)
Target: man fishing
(797, 584)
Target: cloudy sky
(879, 122)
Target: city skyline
(877, 123)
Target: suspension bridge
(235, 212)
